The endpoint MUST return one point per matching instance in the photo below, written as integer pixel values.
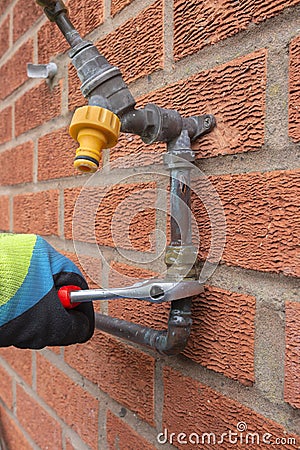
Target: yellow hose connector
(94, 128)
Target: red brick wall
(239, 373)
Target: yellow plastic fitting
(94, 128)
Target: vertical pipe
(180, 202)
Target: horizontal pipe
(129, 331)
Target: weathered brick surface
(11, 432)
(214, 414)
(199, 23)
(87, 15)
(17, 164)
(4, 5)
(125, 373)
(5, 124)
(292, 356)
(37, 106)
(33, 418)
(262, 221)
(137, 46)
(4, 33)
(294, 89)
(137, 152)
(120, 436)
(120, 216)
(70, 401)
(6, 393)
(56, 152)
(234, 92)
(36, 213)
(14, 71)
(25, 14)
(222, 337)
(118, 5)
(50, 43)
(20, 361)
(4, 213)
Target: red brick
(20, 361)
(212, 412)
(234, 92)
(14, 71)
(292, 355)
(4, 33)
(55, 155)
(42, 428)
(6, 394)
(36, 213)
(199, 23)
(119, 216)
(42, 104)
(131, 151)
(222, 337)
(125, 373)
(262, 221)
(12, 435)
(294, 87)
(17, 164)
(87, 15)
(143, 313)
(25, 14)
(50, 43)
(120, 436)
(4, 213)
(136, 47)
(76, 407)
(6, 125)
(4, 5)
(118, 5)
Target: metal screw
(207, 122)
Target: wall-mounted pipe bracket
(42, 70)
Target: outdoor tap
(103, 85)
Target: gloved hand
(31, 315)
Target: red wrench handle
(65, 298)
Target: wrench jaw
(153, 290)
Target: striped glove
(31, 315)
